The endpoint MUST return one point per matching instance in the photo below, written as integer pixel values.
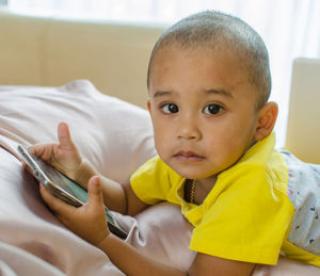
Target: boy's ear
(266, 120)
(149, 105)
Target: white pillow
(114, 135)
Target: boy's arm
(120, 197)
(131, 262)
(117, 197)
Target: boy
(209, 84)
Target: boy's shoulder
(262, 164)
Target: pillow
(115, 136)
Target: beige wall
(303, 130)
(41, 51)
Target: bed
(116, 137)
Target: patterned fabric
(304, 193)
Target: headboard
(303, 129)
(54, 51)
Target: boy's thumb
(64, 135)
(95, 196)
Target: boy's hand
(64, 156)
(87, 221)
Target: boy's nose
(188, 129)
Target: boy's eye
(213, 109)
(170, 108)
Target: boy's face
(203, 110)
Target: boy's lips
(188, 156)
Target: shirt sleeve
(248, 221)
(151, 182)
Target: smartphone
(63, 187)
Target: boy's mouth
(188, 156)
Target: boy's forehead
(203, 63)
(170, 53)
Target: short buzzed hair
(217, 31)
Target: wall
(51, 52)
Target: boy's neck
(203, 188)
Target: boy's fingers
(44, 151)
(64, 136)
(94, 192)
(55, 204)
(26, 168)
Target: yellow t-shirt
(244, 217)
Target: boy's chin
(193, 173)
(190, 169)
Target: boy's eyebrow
(162, 93)
(222, 92)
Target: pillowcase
(115, 136)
